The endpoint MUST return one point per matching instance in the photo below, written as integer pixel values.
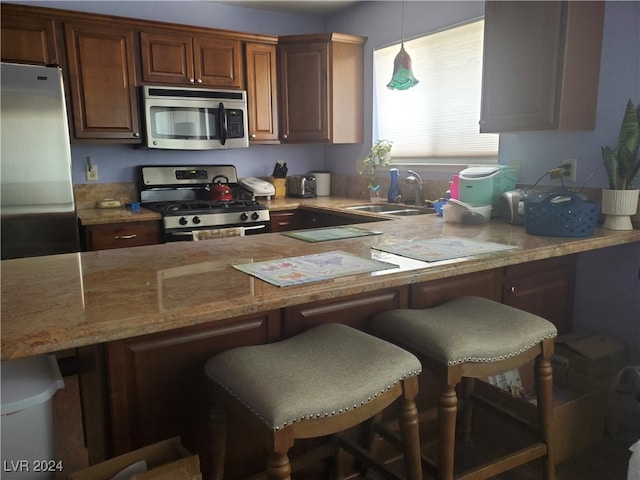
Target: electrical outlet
(570, 172)
(92, 173)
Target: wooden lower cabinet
(487, 284)
(121, 235)
(157, 388)
(355, 310)
(545, 288)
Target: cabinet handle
(253, 135)
(125, 237)
(136, 134)
(191, 80)
(285, 136)
(512, 289)
(199, 80)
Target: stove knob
(255, 216)
(196, 220)
(182, 221)
(243, 216)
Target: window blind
(436, 121)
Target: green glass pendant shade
(403, 78)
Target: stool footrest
(303, 460)
(362, 455)
(499, 409)
(505, 463)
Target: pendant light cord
(403, 24)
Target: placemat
(329, 233)
(285, 272)
(444, 248)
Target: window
(436, 121)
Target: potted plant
(620, 200)
(379, 156)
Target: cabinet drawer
(120, 235)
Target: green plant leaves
(622, 164)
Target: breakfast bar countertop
(58, 302)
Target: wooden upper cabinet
(181, 59)
(101, 63)
(321, 78)
(541, 65)
(262, 92)
(28, 39)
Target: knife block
(280, 185)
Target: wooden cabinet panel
(218, 62)
(545, 288)
(181, 59)
(355, 311)
(321, 81)
(166, 58)
(284, 221)
(262, 92)
(486, 284)
(121, 235)
(158, 388)
(103, 86)
(28, 39)
(541, 65)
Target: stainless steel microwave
(194, 118)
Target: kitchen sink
(391, 209)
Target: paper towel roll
(323, 183)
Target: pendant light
(402, 78)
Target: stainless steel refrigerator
(38, 212)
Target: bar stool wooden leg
(544, 392)
(218, 429)
(447, 411)
(409, 430)
(278, 466)
(468, 385)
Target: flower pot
(618, 206)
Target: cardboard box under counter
(578, 410)
(595, 355)
(166, 460)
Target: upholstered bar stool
(469, 338)
(320, 382)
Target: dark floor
(605, 461)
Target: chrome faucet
(416, 181)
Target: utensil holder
(280, 185)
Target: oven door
(214, 232)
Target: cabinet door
(262, 92)
(486, 284)
(303, 80)
(101, 62)
(121, 235)
(158, 388)
(29, 39)
(218, 62)
(355, 311)
(284, 221)
(167, 58)
(522, 43)
(541, 65)
(545, 288)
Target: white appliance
(195, 118)
(257, 187)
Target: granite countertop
(64, 301)
(101, 216)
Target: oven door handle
(256, 227)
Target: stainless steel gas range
(183, 195)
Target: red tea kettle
(219, 191)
